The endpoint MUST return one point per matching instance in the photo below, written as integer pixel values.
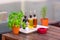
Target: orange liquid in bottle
(35, 23)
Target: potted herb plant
(44, 20)
(14, 21)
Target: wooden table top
(52, 34)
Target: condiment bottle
(24, 22)
(34, 21)
(30, 20)
(25, 19)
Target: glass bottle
(24, 22)
(25, 19)
(34, 21)
(30, 20)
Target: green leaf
(15, 18)
(23, 25)
(43, 11)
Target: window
(7, 1)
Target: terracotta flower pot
(44, 21)
(15, 30)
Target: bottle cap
(34, 15)
(25, 16)
(30, 16)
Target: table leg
(3, 37)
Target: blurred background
(28, 7)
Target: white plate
(27, 30)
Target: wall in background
(33, 5)
(9, 7)
(14, 6)
(28, 5)
(56, 9)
